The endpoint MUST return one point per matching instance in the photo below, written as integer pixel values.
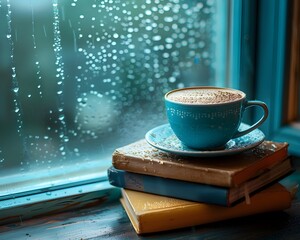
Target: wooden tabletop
(110, 221)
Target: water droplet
(169, 40)
(16, 89)
(168, 19)
(156, 38)
(148, 12)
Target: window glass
(80, 78)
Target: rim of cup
(206, 87)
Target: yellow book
(153, 213)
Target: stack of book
(162, 191)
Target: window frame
(272, 70)
(241, 73)
(293, 86)
(243, 44)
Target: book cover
(196, 191)
(153, 213)
(224, 171)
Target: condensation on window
(80, 78)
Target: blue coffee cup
(209, 123)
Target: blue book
(196, 191)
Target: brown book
(225, 171)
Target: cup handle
(259, 122)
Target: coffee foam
(204, 96)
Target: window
(278, 70)
(80, 78)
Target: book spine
(168, 187)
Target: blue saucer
(163, 138)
